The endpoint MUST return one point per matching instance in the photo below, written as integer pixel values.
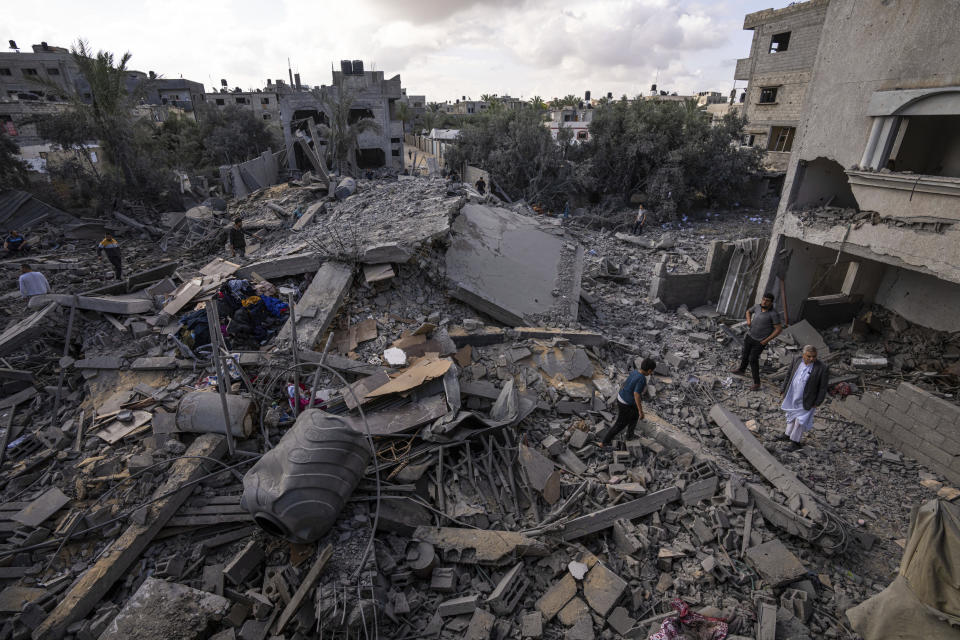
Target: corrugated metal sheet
(19, 210)
(742, 276)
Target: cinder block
(924, 417)
(899, 417)
(913, 392)
(942, 407)
(900, 402)
(939, 455)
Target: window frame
(765, 90)
(786, 44)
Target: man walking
(804, 389)
(32, 283)
(640, 221)
(629, 403)
(764, 324)
(111, 247)
(238, 243)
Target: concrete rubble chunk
(573, 611)
(620, 621)
(476, 546)
(318, 305)
(531, 625)
(556, 597)
(39, 510)
(244, 563)
(162, 610)
(604, 518)
(775, 563)
(581, 630)
(502, 264)
(281, 266)
(603, 588)
(508, 592)
(481, 625)
(458, 606)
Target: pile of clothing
(247, 317)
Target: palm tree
(538, 103)
(429, 120)
(404, 115)
(693, 111)
(488, 97)
(341, 134)
(570, 100)
(434, 107)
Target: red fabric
(703, 627)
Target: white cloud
(444, 50)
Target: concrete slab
(602, 588)
(318, 305)
(502, 264)
(556, 597)
(281, 266)
(34, 514)
(775, 563)
(164, 610)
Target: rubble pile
(363, 429)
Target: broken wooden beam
(303, 589)
(604, 518)
(87, 591)
(783, 479)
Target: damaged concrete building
(869, 214)
(777, 73)
(373, 96)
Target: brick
(899, 417)
(927, 418)
(941, 456)
(950, 445)
(913, 392)
(935, 438)
(944, 407)
(900, 402)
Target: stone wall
(692, 289)
(918, 424)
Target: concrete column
(871, 142)
(853, 270)
(886, 138)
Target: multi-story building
(871, 207)
(777, 73)
(372, 96)
(576, 119)
(265, 103)
(416, 104)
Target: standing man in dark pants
(111, 247)
(764, 324)
(629, 404)
(238, 243)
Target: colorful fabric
(277, 307)
(703, 627)
(249, 302)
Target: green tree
(538, 103)
(569, 100)
(343, 131)
(520, 154)
(404, 114)
(434, 107)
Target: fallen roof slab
(160, 610)
(126, 305)
(282, 266)
(502, 264)
(318, 305)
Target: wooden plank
(325, 294)
(184, 294)
(303, 589)
(600, 520)
(96, 581)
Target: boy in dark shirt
(629, 404)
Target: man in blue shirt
(629, 404)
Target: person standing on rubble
(804, 389)
(111, 247)
(629, 402)
(640, 221)
(238, 241)
(481, 186)
(32, 283)
(764, 324)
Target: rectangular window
(394, 140)
(241, 101)
(29, 72)
(395, 152)
(768, 95)
(748, 139)
(781, 139)
(53, 72)
(5, 72)
(581, 135)
(779, 42)
(264, 100)
(266, 116)
(219, 102)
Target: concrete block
(620, 621)
(160, 610)
(481, 625)
(775, 563)
(458, 606)
(443, 579)
(603, 588)
(556, 597)
(797, 602)
(244, 563)
(508, 592)
(531, 625)
(582, 630)
(572, 612)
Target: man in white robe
(804, 389)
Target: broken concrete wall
(921, 298)
(692, 289)
(242, 179)
(919, 424)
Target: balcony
(742, 72)
(911, 197)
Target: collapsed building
(868, 215)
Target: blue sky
(445, 50)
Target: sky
(445, 49)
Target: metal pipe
(213, 322)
